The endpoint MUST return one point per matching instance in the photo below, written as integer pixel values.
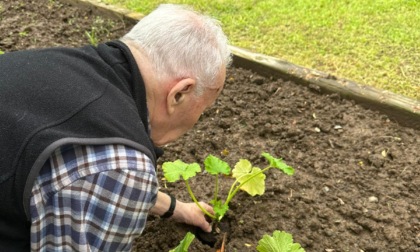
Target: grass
(374, 42)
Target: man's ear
(179, 92)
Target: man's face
(187, 115)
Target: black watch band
(171, 209)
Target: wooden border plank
(107, 10)
(404, 110)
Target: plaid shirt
(92, 198)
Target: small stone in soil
(373, 199)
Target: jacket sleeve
(96, 201)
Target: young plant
(184, 244)
(92, 36)
(279, 242)
(247, 178)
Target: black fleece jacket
(58, 96)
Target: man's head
(188, 55)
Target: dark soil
(357, 181)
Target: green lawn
(375, 43)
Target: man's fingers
(207, 207)
(206, 227)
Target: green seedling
(279, 242)
(184, 244)
(93, 38)
(23, 34)
(247, 178)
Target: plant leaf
(173, 170)
(279, 164)
(214, 165)
(219, 209)
(279, 242)
(184, 244)
(242, 171)
(242, 167)
(254, 186)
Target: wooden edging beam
(404, 110)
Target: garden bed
(357, 181)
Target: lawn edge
(404, 110)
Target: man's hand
(188, 213)
(191, 214)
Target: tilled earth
(356, 186)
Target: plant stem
(216, 190)
(231, 194)
(196, 201)
(231, 188)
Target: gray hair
(182, 43)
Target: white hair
(182, 43)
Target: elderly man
(79, 127)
